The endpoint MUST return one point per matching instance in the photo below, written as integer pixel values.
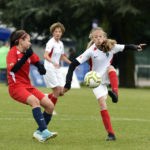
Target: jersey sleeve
(118, 48)
(34, 58)
(49, 46)
(84, 56)
(11, 59)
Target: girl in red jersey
(19, 59)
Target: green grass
(78, 122)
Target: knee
(102, 104)
(57, 91)
(49, 109)
(33, 102)
(103, 107)
(111, 68)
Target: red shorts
(21, 93)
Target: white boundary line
(86, 119)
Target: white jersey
(55, 49)
(100, 60)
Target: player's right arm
(79, 60)
(69, 75)
(49, 51)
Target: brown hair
(16, 36)
(107, 44)
(57, 25)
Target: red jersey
(21, 77)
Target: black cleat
(114, 96)
(111, 137)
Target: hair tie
(22, 36)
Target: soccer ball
(92, 79)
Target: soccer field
(78, 122)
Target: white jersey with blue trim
(100, 60)
(55, 49)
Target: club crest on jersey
(11, 64)
(95, 56)
(107, 54)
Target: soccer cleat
(114, 96)
(47, 135)
(44, 136)
(38, 135)
(111, 137)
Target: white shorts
(100, 91)
(53, 78)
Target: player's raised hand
(139, 49)
(29, 52)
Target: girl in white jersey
(101, 53)
(54, 52)
(111, 72)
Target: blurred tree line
(127, 21)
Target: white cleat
(54, 112)
(44, 135)
(38, 135)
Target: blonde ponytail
(107, 45)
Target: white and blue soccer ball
(92, 79)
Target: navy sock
(38, 116)
(47, 117)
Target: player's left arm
(65, 59)
(22, 61)
(134, 47)
(35, 60)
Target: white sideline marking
(131, 119)
(86, 119)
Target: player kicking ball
(100, 52)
